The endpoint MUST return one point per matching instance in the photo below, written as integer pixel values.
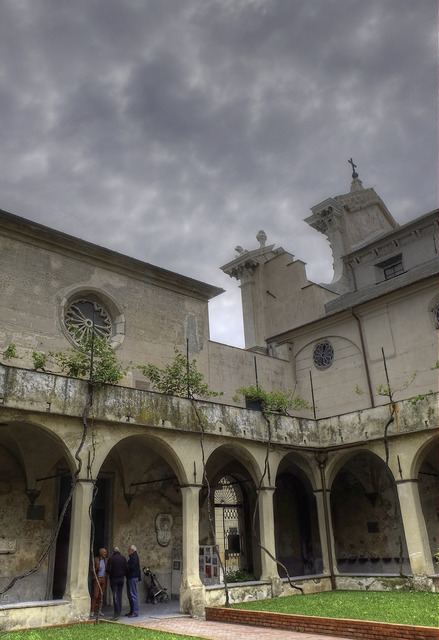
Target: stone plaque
(8, 545)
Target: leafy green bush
(103, 368)
(179, 378)
(239, 575)
(272, 401)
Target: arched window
(229, 522)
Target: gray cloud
(172, 131)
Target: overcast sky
(173, 130)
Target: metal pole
(256, 372)
(312, 395)
(187, 367)
(92, 349)
(387, 373)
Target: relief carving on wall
(163, 526)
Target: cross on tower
(354, 166)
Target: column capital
(191, 486)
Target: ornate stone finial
(354, 166)
(262, 238)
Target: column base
(421, 583)
(277, 587)
(193, 600)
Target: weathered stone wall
(159, 318)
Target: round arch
(366, 519)
(138, 489)
(235, 469)
(301, 462)
(223, 454)
(34, 463)
(343, 457)
(297, 536)
(428, 447)
(426, 468)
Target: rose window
(323, 355)
(83, 317)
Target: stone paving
(167, 617)
(223, 631)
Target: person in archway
(117, 569)
(133, 577)
(99, 582)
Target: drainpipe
(366, 366)
(322, 458)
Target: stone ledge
(324, 626)
(36, 603)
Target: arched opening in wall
(227, 521)
(367, 525)
(429, 494)
(229, 526)
(32, 461)
(295, 520)
(141, 504)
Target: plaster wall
(415, 242)
(231, 368)
(363, 218)
(404, 326)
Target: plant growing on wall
(39, 360)
(179, 378)
(95, 358)
(10, 352)
(273, 401)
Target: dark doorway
(62, 543)
(101, 515)
(295, 526)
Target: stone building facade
(343, 493)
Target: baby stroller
(154, 590)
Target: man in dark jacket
(117, 569)
(133, 577)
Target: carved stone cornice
(245, 264)
(326, 216)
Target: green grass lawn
(417, 608)
(102, 631)
(402, 607)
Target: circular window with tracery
(85, 316)
(323, 355)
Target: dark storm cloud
(172, 130)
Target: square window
(393, 271)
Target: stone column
(79, 548)
(267, 540)
(192, 590)
(326, 532)
(247, 287)
(415, 530)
